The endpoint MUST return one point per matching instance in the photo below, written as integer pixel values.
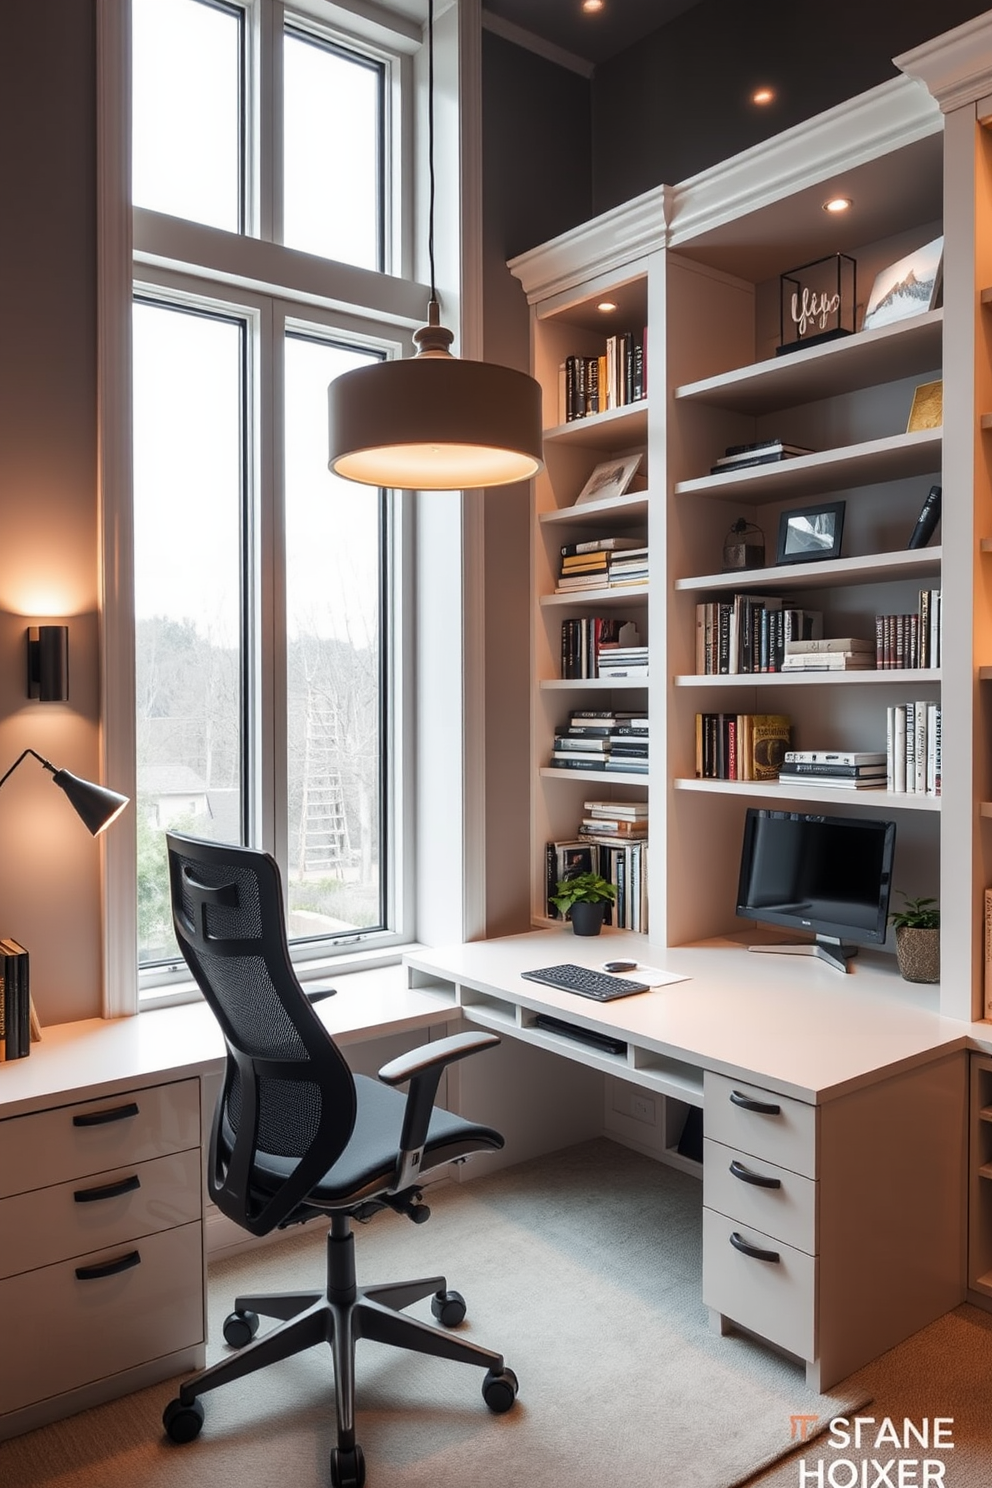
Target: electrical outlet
(642, 1107)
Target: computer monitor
(831, 875)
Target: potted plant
(583, 899)
(917, 927)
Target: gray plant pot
(918, 953)
(587, 919)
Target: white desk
(853, 1191)
(71, 1341)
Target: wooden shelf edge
(613, 777)
(861, 569)
(772, 790)
(867, 463)
(602, 428)
(597, 684)
(634, 503)
(885, 676)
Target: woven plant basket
(918, 953)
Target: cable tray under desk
(641, 1066)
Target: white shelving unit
(699, 264)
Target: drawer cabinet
(101, 1250)
(806, 1209)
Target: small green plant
(584, 888)
(916, 914)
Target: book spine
(920, 711)
(988, 953)
(899, 752)
(890, 744)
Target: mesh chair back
(287, 1089)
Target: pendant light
(434, 422)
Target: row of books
(602, 646)
(593, 384)
(611, 841)
(761, 452)
(912, 748)
(604, 568)
(910, 640)
(749, 633)
(602, 741)
(741, 746)
(18, 1022)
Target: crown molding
(600, 246)
(955, 68)
(886, 118)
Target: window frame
(138, 247)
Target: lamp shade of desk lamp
(434, 422)
(95, 805)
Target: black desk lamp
(95, 805)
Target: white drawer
(96, 1136)
(761, 1122)
(70, 1219)
(774, 1298)
(61, 1332)
(760, 1194)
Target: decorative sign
(817, 302)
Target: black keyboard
(585, 982)
(591, 1036)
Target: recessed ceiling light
(591, 6)
(837, 204)
(606, 306)
(763, 96)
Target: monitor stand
(825, 947)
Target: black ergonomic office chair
(296, 1135)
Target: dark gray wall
(678, 101)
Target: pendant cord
(430, 144)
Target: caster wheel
(240, 1328)
(182, 1422)
(448, 1308)
(499, 1391)
(347, 1467)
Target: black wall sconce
(48, 663)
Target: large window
(268, 627)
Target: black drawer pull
(108, 1191)
(747, 1103)
(100, 1118)
(109, 1268)
(758, 1179)
(741, 1244)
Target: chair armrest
(423, 1067)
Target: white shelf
(602, 777)
(885, 676)
(891, 458)
(773, 790)
(859, 361)
(591, 513)
(917, 563)
(617, 428)
(612, 596)
(596, 684)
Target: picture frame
(611, 478)
(910, 286)
(810, 534)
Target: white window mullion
(267, 121)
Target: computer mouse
(619, 965)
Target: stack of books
(602, 563)
(615, 822)
(607, 741)
(623, 662)
(850, 769)
(586, 639)
(741, 746)
(761, 452)
(912, 736)
(829, 654)
(911, 640)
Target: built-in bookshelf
(699, 265)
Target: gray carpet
(584, 1269)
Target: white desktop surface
(119, 1053)
(803, 1028)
